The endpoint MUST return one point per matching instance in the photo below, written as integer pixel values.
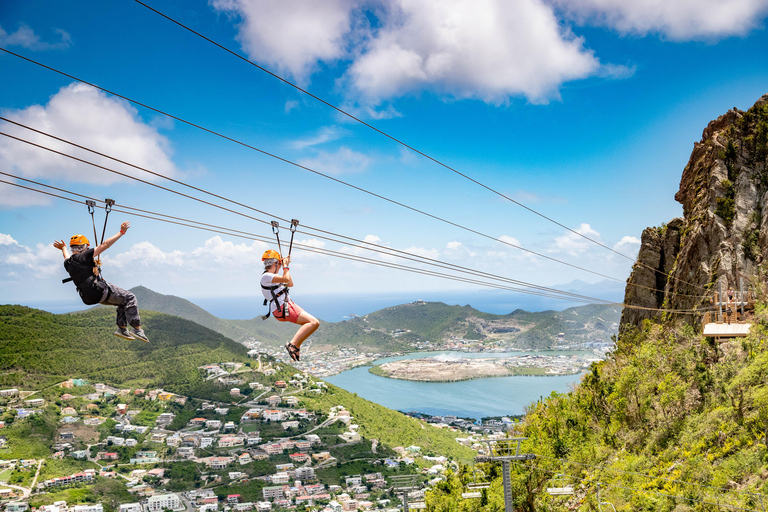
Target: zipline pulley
(108, 203)
(276, 232)
(294, 225)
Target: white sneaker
(139, 333)
(122, 332)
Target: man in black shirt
(83, 269)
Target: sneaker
(122, 332)
(139, 333)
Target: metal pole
(720, 303)
(741, 296)
(405, 500)
(508, 506)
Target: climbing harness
(92, 288)
(279, 312)
(278, 290)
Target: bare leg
(309, 324)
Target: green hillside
(426, 321)
(672, 421)
(437, 321)
(391, 427)
(40, 348)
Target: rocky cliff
(723, 235)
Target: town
(142, 450)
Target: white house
(160, 502)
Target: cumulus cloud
(293, 35)
(574, 244)
(491, 50)
(455, 249)
(343, 161)
(88, 117)
(26, 38)
(18, 261)
(628, 245)
(680, 20)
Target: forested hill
(39, 348)
(392, 329)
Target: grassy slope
(41, 348)
(391, 427)
(668, 403)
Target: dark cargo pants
(127, 307)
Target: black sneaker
(139, 333)
(122, 332)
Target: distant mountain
(522, 329)
(395, 328)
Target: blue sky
(584, 112)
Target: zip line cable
(551, 292)
(285, 220)
(295, 164)
(393, 252)
(385, 134)
(638, 491)
(332, 178)
(380, 249)
(251, 236)
(249, 207)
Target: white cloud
(88, 117)
(343, 161)
(628, 244)
(679, 20)
(291, 105)
(323, 135)
(7, 240)
(574, 244)
(18, 260)
(490, 50)
(510, 240)
(292, 35)
(458, 249)
(26, 38)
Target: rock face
(723, 235)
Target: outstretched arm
(106, 244)
(59, 244)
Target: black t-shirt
(80, 266)
(90, 286)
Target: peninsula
(433, 369)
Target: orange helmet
(270, 254)
(78, 240)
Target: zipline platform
(725, 330)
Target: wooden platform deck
(725, 330)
